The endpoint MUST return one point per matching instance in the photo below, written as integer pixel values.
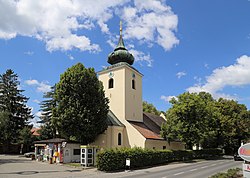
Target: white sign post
(127, 164)
(244, 153)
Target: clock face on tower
(111, 74)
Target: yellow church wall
(103, 140)
(116, 95)
(115, 131)
(133, 97)
(160, 144)
(124, 102)
(109, 139)
(132, 137)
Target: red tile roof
(150, 127)
(144, 130)
(34, 131)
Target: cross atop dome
(120, 28)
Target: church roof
(154, 121)
(113, 120)
(150, 127)
(145, 131)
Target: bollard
(127, 164)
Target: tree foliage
(48, 128)
(234, 123)
(82, 108)
(14, 111)
(26, 136)
(197, 118)
(5, 126)
(150, 108)
(190, 119)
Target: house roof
(150, 127)
(112, 120)
(34, 131)
(53, 140)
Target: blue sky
(179, 46)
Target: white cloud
(60, 24)
(32, 82)
(56, 22)
(36, 101)
(151, 21)
(43, 87)
(29, 53)
(235, 75)
(141, 56)
(70, 57)
(72, 41)
(167, 98)
(38, 114)
(206, 66)
(40, 86)
(181, 74)
(198, 79)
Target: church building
(128, 125)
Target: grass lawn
(73, 164)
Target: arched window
(111, 83)
(119, 139)
(133, 84)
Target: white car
(29, 154)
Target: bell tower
(123, 84)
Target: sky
(179, 46)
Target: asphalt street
(12, 166)
(201, 169)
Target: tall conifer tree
(14, 111)
(48, 129)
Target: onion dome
(120, 53)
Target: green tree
(48, 128)
(190, 119)
(13, 106)
(233, 125)
(81, 105)
(26, 138)
(150, 108)
(5, 126)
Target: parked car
(237, 157)
(29, 154)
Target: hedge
(115, 159)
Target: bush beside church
(115, 159)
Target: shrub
(115, 159)
(231, 173)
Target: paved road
(20, 167)
(12, 166)
(201, 169)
